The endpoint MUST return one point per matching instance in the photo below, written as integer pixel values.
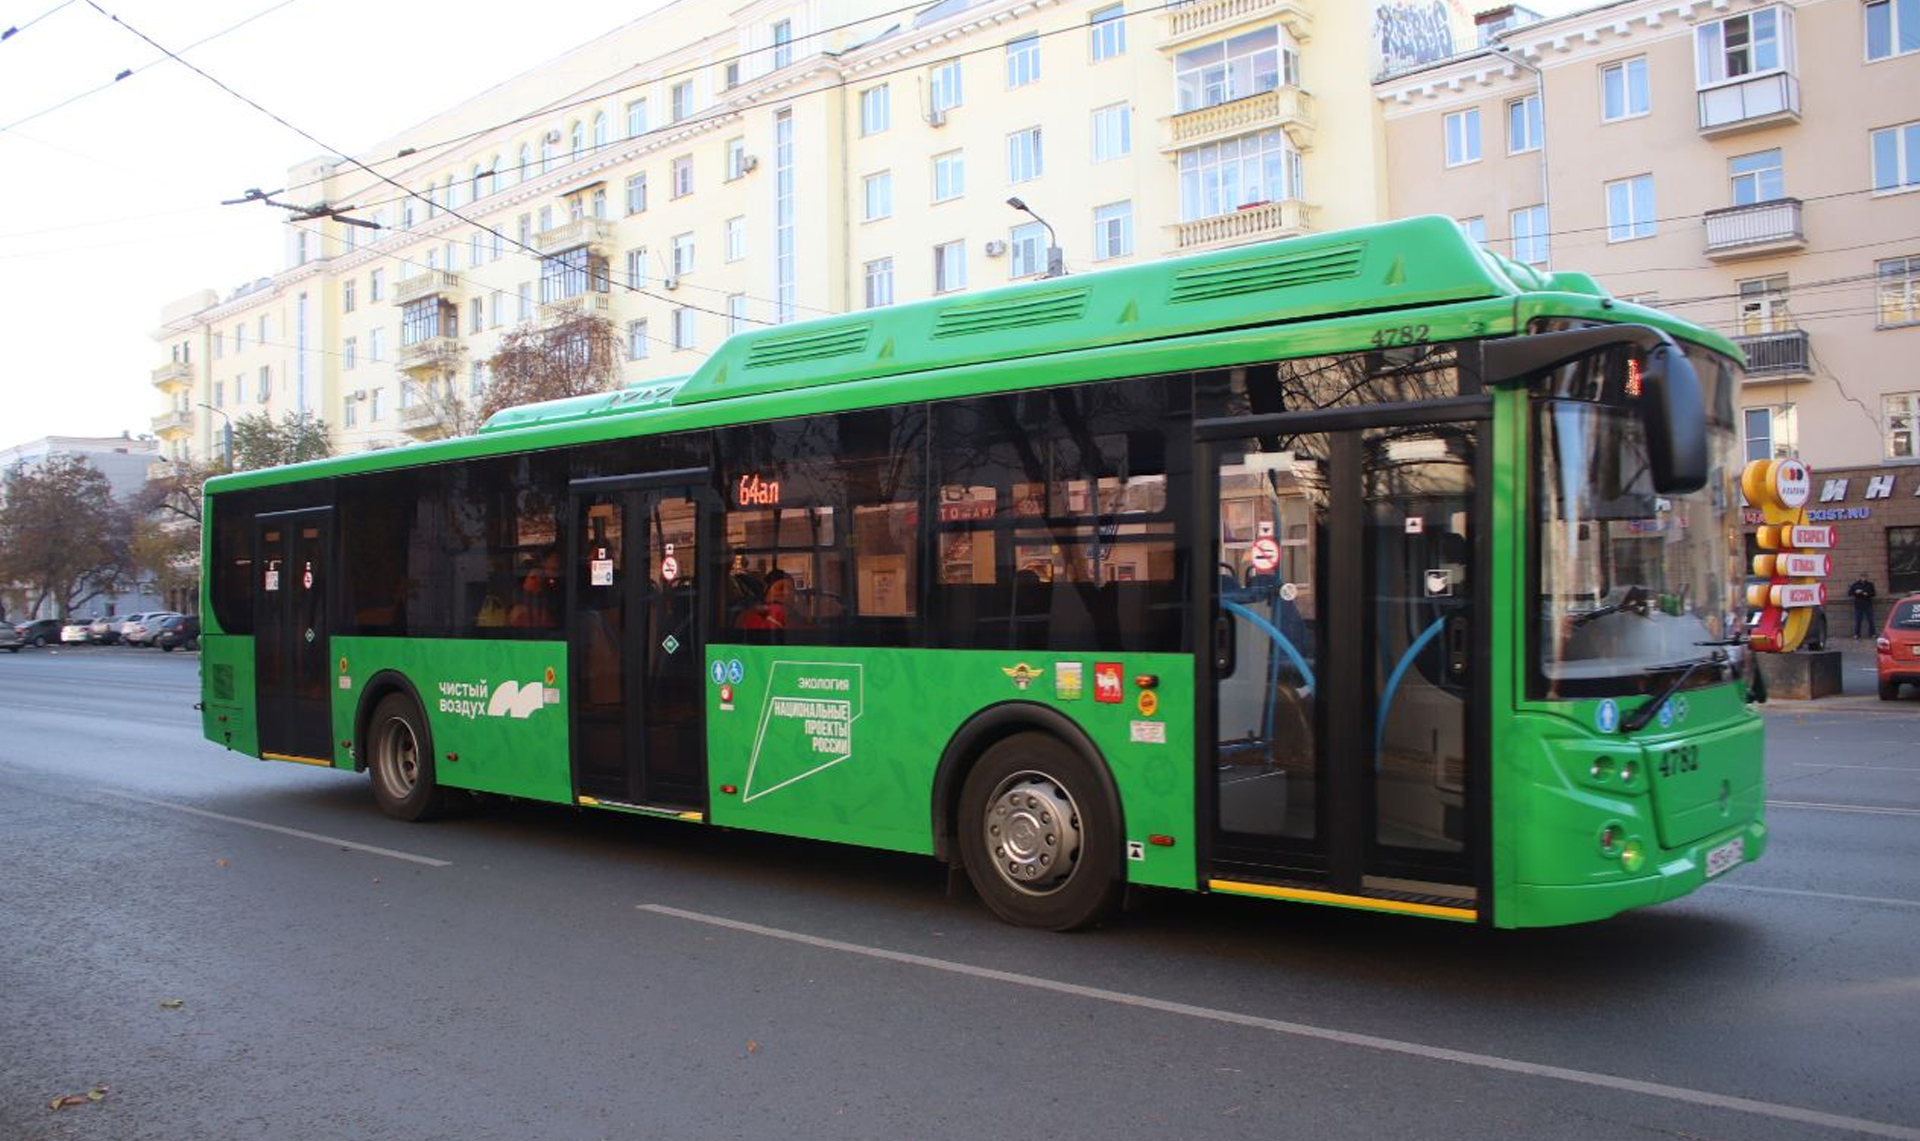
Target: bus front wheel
(400, 759)
(1039, 836)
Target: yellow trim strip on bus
(1308, 896)
(296, 760)
(591, 802)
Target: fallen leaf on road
(222, 861)
(71, 1099)
(752, 1046)
(172, 1003)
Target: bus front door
(635, 607)
(291, 670)
(1348, 710)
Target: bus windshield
(1631, 582)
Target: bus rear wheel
(1039, 836)
(400, 760)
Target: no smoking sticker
(1264, 554)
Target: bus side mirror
(1676, 420)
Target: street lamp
(226, 432)
(1056, 257)
(1540, 87)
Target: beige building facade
(780, 160)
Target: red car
(1899, 646)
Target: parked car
(104, 631)
(138, 630)
(177, 631)
(120, 627)
(40, 631)
(1899, 647)
(74, 633)
(10, 638)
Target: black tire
(13, 649)
(400, 761)
(1889, 691)
(168, 648)
(1040, 835)
(39, 641)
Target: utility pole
(1056, 257)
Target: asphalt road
(237, 949)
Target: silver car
(10, 639)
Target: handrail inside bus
(1299, 663)
(1393, 683)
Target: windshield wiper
(1637, 720)
(1634, 599)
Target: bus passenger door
(636, 620)
(291, 655)
(1348, 710)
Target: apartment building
(1751, 165)
(708, 168)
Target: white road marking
(1319, 1033)
(1868, 809)
(284, 831)
(1872, 768)
(1887, 900)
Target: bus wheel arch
(394, 744)
(1018, 756)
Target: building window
(549, 148)
(240, 331)
(266, 383)
(1897, 412)
(1763, 306)
(1524, 126)
(525, 166)
(949, 176)
(1024, 162)
(879, 277)
(680, 99)
(1623, 90)
(376, 399)
(1903, 560)
(1023, 60)
(1758, 177)
(737, 162)
(1630, 209)
(599, 211)
(736, 238)
(571, 273)
(1893, 28)
(1896, 157)
(949, 267)
(496, 308)
(782, 43)
(683, 331)
(1758, 430)
(376, 288)
(636, 194)
(525, 310)
(349, 413)
(525, 223)
(476, 378)
(1530, 235)
(349, 353)
(1476, 229)
(785, 218)
(477, 247)
(1463, 137)
(476, 315)
(943, 87)
(879, 195)
(1112, 231)
(1898, 283)
(683, 176)
(876, 110)
(1028, 246)
(1246, 171)
(1249, 64)
(599, 129)
(348, 289)
(730, 75)
(1107, 29)
(1739, 46)
(636, 118)
(636, 340)
(736, 313)
(682, 254)
(637, 267)
(1112, 132)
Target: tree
(63, 537)
(165, 538)
(571, 357)
(261, 441)
(452, 414)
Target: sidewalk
(1859, 685)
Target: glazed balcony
(1258, 223)
(434, 283)
(1774, 357)
(1287, 108)
(173, 376)
(1199, 19)
(1748, 104)
(1760, 228)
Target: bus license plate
(1726, 856)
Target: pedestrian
(1862, 593)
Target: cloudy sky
(110, 190)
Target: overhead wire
(18, 28)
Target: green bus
(1366, 569)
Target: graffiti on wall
(1408, 33)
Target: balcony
(160, 469)
(432, 355)
(591, 303)
(1198, 19)
(594, 233)
(1287, 108)
(172, 425)
(1249, 224)
(1749, 104)
(421, 420)
(434, 283)
(173, 376)
(1774, 357)
(1760, 228)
